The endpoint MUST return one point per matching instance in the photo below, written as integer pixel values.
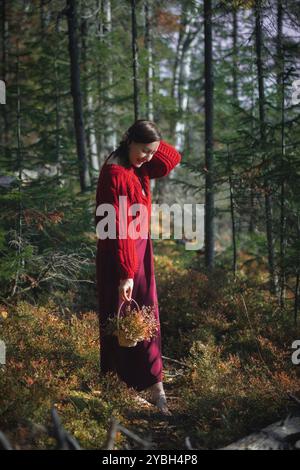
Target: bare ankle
(157, 389)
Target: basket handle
(118, 315)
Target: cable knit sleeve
(114, 184)
(163, 161)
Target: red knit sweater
(115, 180)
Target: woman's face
(140, 153)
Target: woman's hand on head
(125, 289)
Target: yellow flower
(3, 314)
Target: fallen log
(282, 435)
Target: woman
(125, 266)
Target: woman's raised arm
(163, 161)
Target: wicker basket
(123, 341)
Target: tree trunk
(88, 101)
(296, 298)
(84, 176)
(183, 96)
(296, 301)
(253, 197)
(99, 106)
(176, 70)
(209, 190)
(59, 157)
(134, 59)
(280, 92)
(262, 123)
(232, 213)
(110, 129)
(19, 228)
(149, 70)
(4, 33)
(236, 102)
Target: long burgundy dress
(139, 366)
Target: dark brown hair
(142, 131)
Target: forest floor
(229, 334)
(173, 432)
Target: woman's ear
(157, 147)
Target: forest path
(164, 432)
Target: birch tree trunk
(176, 69)
(181, 75)
(88, 101)
(110, 132)
(185, 73)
